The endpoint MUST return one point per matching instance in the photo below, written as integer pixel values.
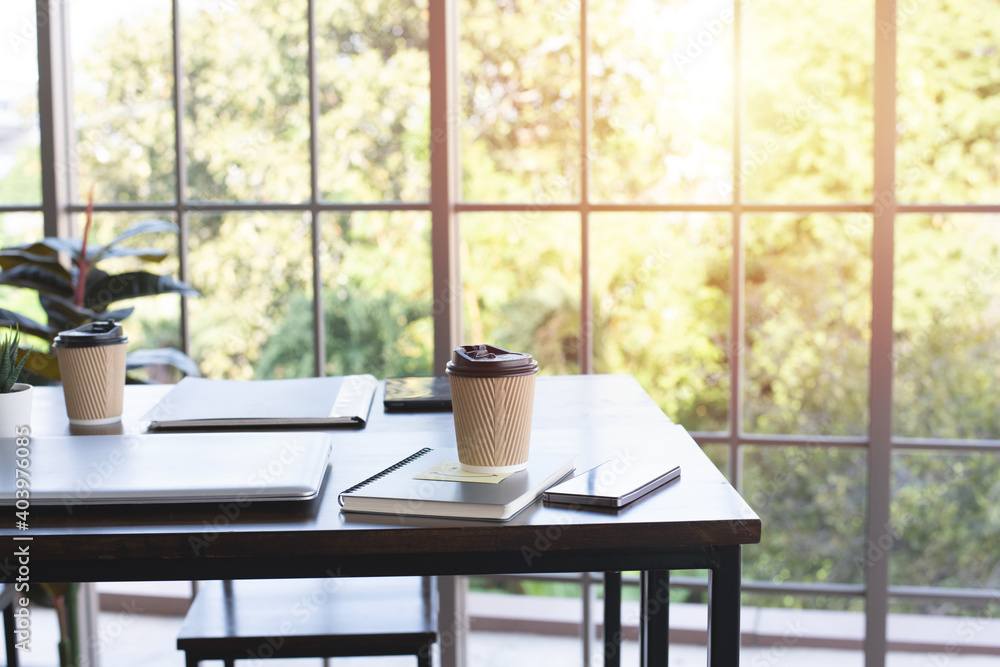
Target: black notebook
(395, 491)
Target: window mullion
(180, 175)
(319, 329)
(445, 173)
(586, 351)
(55, 116)
(737, 283)
(881, 365)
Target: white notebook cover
(199, 403)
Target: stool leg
(11, 640)
(191, 660)
(424, 656)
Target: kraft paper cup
(492, 395)
(92, 366)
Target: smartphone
(417, 394)
(611, 485)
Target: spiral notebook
(395, 491)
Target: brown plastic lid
(92, 334)
(487, 361)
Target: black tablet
(417, 394)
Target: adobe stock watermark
(790, 638)
(912, 170)
(449, 637)
(755, 156)
(704, 37)
(655, 259)
(547, 537)
(110, 631)
(967, 631)
(300, 612)
(24, 36)
(912, 343)
(905, 11)
(98, 473)
(774, 485)
(229, 512)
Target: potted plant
(15, 397)
(80, 292)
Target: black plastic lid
(487, 361)
(92, 334)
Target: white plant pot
(15, 409)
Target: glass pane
(808, 324)
(20, 161)
(155, 322)
(940, 608)
(123, 99)
(521, 285)
(971, 658)
(45, 637)
(374, 96)
(660, 295)
(812, 502)
(662, 86)
(719, 454)
(489, 648)
(945, 527)
(948, 109)
(947, 320)
(794, 610)
(377, 288)
(968, 631)
(20, 227)
(807, 69)
(17, 229)
(246, 120)
(519, 88)
(254, 318)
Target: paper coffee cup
(492, 396)
(92, 366)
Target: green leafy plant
(10, 367)
(84, 292)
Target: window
(726, 200)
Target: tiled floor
(129, 640)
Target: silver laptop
(168, 468)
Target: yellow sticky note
(448, 471)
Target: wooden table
(699, 522)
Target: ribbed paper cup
(492, 405)
(94, 383)
(92, 366)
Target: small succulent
(10, 367)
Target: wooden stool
(310, 618)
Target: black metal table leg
(654, 618)
(612, 619)
(724, 609)
(8, 628)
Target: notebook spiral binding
(391, 469)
